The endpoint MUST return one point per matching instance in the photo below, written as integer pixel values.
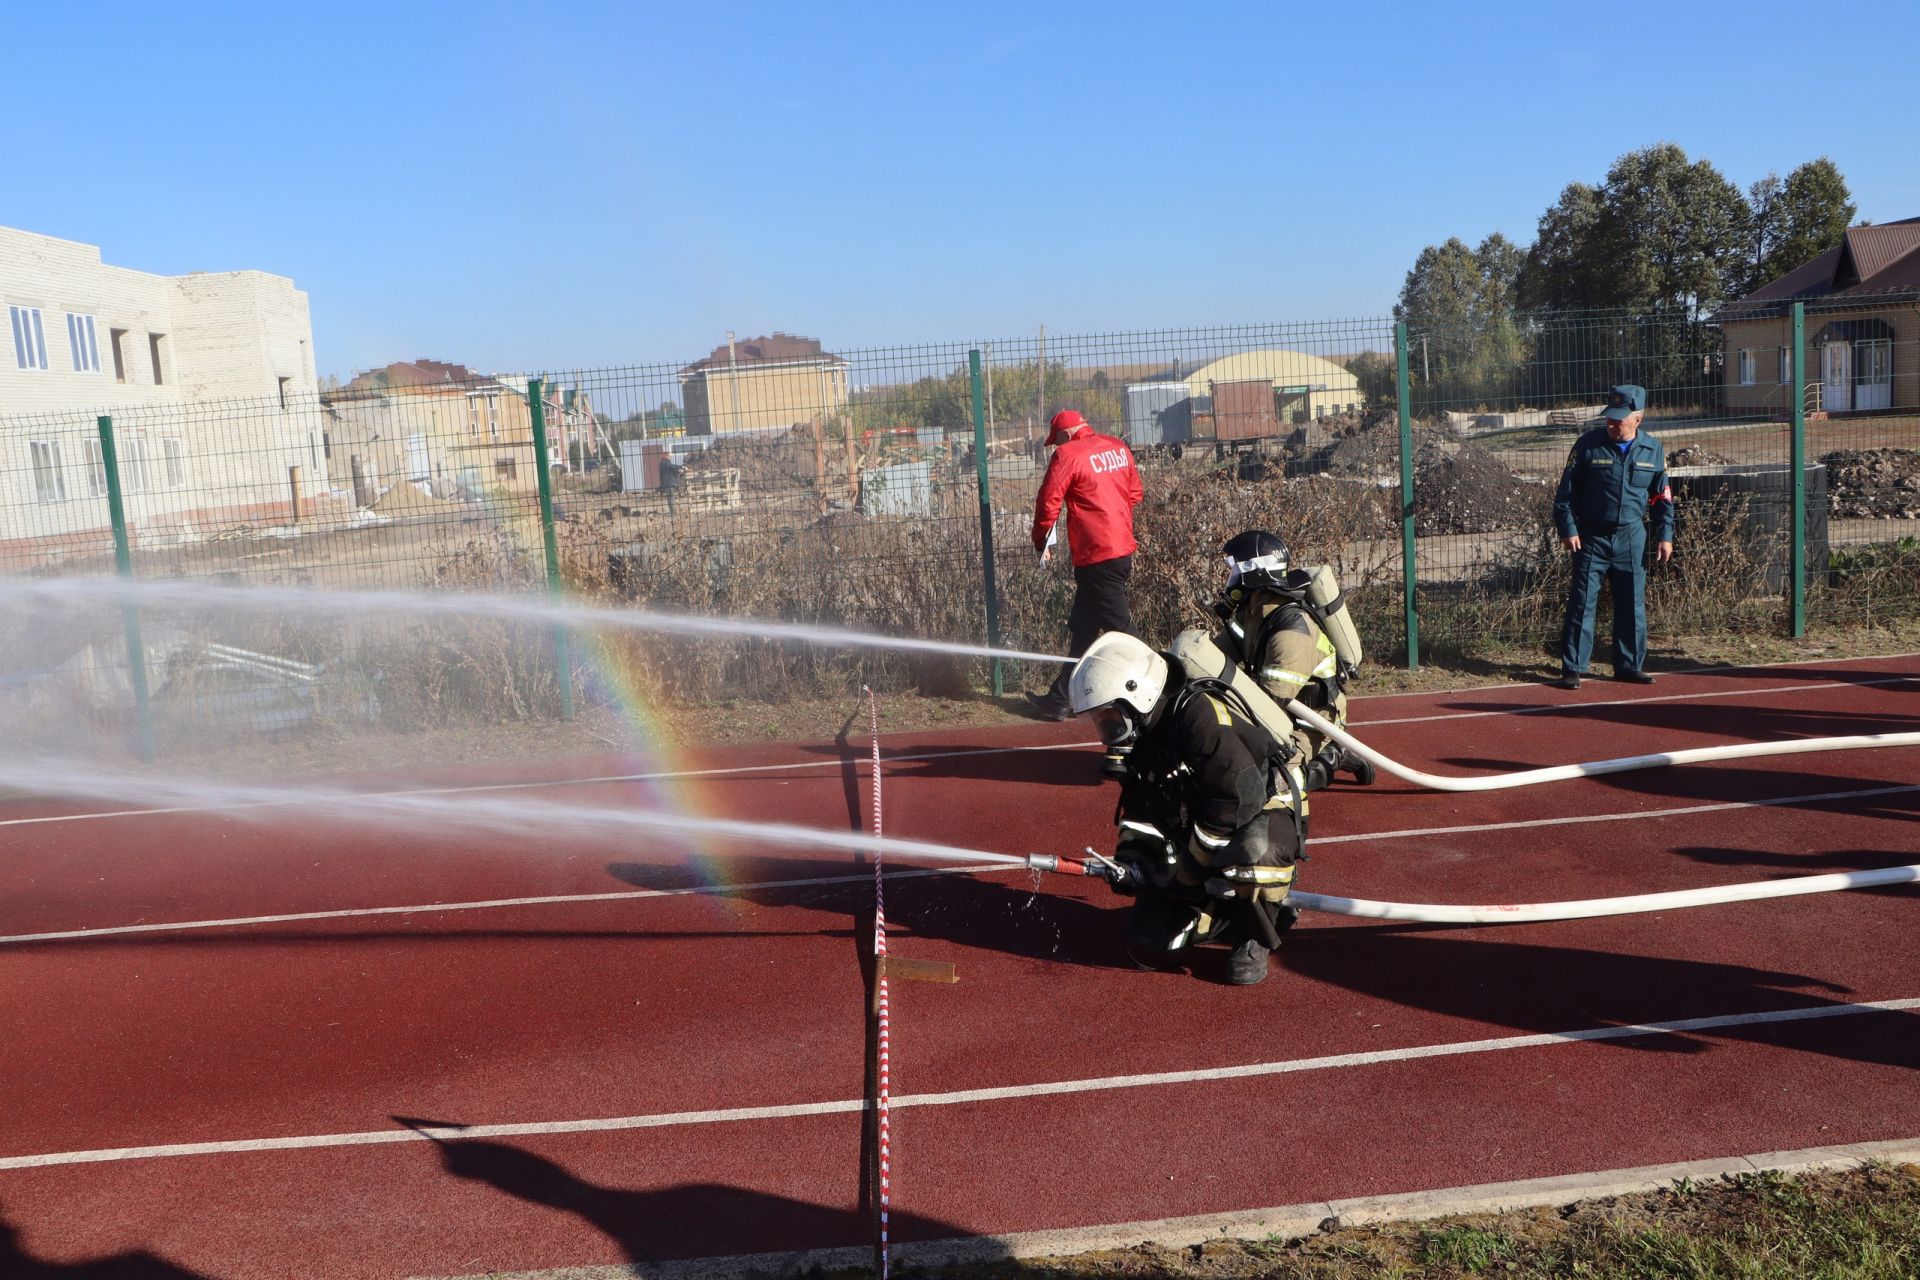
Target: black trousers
(1099, 604)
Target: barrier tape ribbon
(882, 1085)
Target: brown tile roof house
(767, 383)
(1862, 331)
(1868, 261)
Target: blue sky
(582, 184)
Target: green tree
(1797, 220)
(1459, 304)
(1373, 370)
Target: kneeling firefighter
(1211, 811)
(1290, 630)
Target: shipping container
(1244, 410)
(1159, 413)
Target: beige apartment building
(209, 378)
(762, 384)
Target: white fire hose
(1584, 908)
(1594, 768)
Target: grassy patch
(1860, 1224)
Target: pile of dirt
(1693, 455)
(1874, 483)
(403, 499)
(1459, 486)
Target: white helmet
(1117, 668)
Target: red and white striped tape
(882, 1086)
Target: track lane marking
(1053, 1088)
(561, 899)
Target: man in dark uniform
(1616, 478)
(1209, 805)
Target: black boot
(1359, 766)
(1248, 964)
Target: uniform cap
(1064, 424)
(1625, 400)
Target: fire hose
(1594, 768)
(1516, 913)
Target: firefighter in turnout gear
(1210, 812)
(1274, 631)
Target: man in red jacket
(1093, 476)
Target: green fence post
(986, 515)
(562, 656)
(130, 612)
(1798, 564)
(1406, 495)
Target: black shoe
(1248, 964)
(1570, 680)
(1357, 765)
(1633, 677)
(1047, 709)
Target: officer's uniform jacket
(1602, 491)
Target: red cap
(1064, 424)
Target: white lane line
(1053, 1088)
(664, 775)
(1565, 707)
(617, 895)
(561, 899)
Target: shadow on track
(17, 1264)
(689, 1221)
(1533, 988)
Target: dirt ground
(1863, 1224)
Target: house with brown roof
(762, 384)
(1862, 328)
(439, 423)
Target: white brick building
(209, 378)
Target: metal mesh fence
(775, 479)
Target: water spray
(1595, 768)
(187, 594)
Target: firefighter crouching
(1290, 630)
(1211, 807)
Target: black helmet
(1256, 561)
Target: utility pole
(1040, 400)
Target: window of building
(283, 391)
(504, 469)
(473, 415)
(83, 343)
(493, 417)
(117, 338)
(156, 347)
(96, 470)
(29, 339)
(1786, 364)
(133, 464)
(176, 459)
(49, 478)
(1746, 367)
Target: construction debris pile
(1881, 484)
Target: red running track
(645, 1015)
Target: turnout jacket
(1289, 655)
(1094, 477)
(1602, 490)
(1203, 766)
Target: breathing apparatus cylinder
(1203, 659)
(1324, 594)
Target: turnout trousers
(1099, 604)
(1620, 557)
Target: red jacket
(1095, 477)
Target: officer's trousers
(1620, 557)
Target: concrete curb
(1287, 1221)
